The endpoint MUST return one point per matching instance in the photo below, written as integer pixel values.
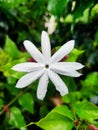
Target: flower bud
(31, 60)
(92, 127)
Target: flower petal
(72, 74)
(29, 78)
(46, 48)
(42, 86)
(28, 67)
(64, 72)
(33, 51)
(66, 66)
(63, 51)
(57, 81)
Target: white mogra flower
(47, 67)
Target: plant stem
(11, 102)
(21, 93)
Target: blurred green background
(63, 20)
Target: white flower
(51, 24)
(47, 66)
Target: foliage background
(72, 19)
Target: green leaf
(11, 80)
(72, 97)
(6, 68)
(60, 118)
(86, 110)
(57, 7)
(26, 101)
(64, 111)
(12, 89)
(43, 111)
(74, 55)
(85, 17)
(93, 60)
(13, 3)
(1, 103)
(11, 49)
(16, 118)
(94, 11)
(70, 82)
(95, 123)
(4, 58)
(81, 6)
(90, 84)
(96, 39)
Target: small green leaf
(94, 11)
(4, 58)
(64, 111)
(16, 118)
(8, 72)
(26, 101)
(1, 103)
(90, 85)
(96, 39)
(12, 89)
(13, 3)
(95, 123)
(70, 82)
(72, 97)
(81, 6)
(60, 118)
(74, 55)
(57, 7)
(86, 110)
(11, 80)
(11, 49)
(43, 111)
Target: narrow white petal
(63, 51)
(67, 73)
(46, 48)
(42, 86)
(57, 81)
(74, 74)
(66, 66)
(33, 51)
(28, 79)
(28, 67)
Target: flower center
(47, 66)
